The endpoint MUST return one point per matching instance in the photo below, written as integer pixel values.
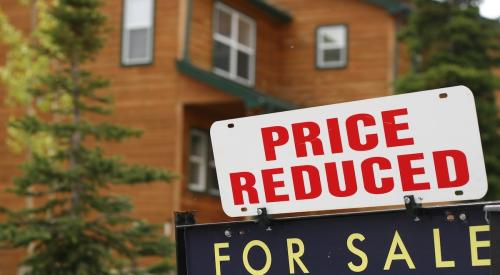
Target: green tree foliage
(23, 69)
(76, 225)
(451, 44)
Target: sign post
(493, 216)
(182, 219)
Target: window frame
(211, 165)
(205, 161)
(125, 42)
(319, 62)
(234, 45)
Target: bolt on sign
(365, 153)
(444, 240)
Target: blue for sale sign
(442, 240)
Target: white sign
(365, 153)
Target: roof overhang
(252, 98)
(279, 14)
(392, 6)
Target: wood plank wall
(371, 52)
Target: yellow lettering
(356, 251)
(475, 244)
(294, 257)
(266, 250)
(438, 252)
(398, 242)
(218, 257)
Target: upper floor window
(234, 45)
(137, 36)
(202, 175)
(331, 46)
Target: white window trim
(211, 190)
(125, 60)
(321, 46)
(201, 160)
(235, 46)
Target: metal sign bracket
(413, 207)
(263, 218)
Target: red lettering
(367, 167)
(270, 143)
(332, 177)
(247, 186)
(408, 172)
(353, 134)
(334, 135)
(299, 182)
(270, 185)
(300, 138)
(391, 128)
(442, 171)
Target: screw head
(259, 211)
(227, 233)
(463, 217)
(407, 200)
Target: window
(234, 45)
(137, 36)
(331, 46)
(202, 175)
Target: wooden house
(176, 66)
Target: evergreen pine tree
(76, 226)
(451, 44)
